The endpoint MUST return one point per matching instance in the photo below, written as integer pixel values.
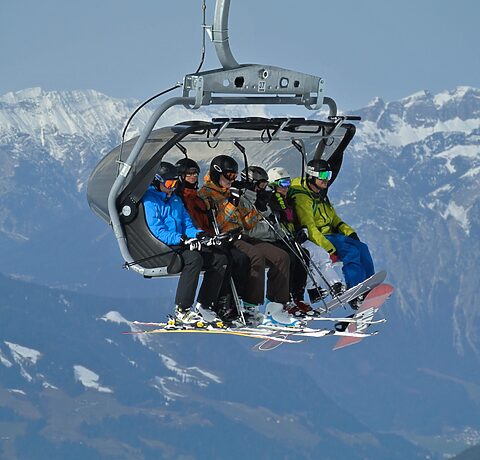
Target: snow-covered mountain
(409, 185)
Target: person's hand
(263, 198)
(354, 236)
(193, 244)
(334, 257)
(235, 194)
(301, 236)
(244, 185)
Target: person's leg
(298, 274)
(254, 292)
(240, 270)
(187, 284)
(215, 265)
(366, 258)
(278, 279)
(349, 254)
(320, 260)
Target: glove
(301, 236)
(334, 257)
(354, 236)
(193, 244)
(244, 185)
(235, 194)
(263, 198)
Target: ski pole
(236, 299)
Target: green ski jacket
(317, 215)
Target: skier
(318, 259)
(169, 221)
(233, 214)
(200, 212)
(326, 229)
(256, 191)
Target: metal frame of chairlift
(233, 84)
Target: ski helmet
(255, 174)
(277, 173)
(166, 173)
(186, 165)
(320, 169)
(222, 164)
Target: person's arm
(190, 230)
(304, 210)
(156, 224)
(339, 225)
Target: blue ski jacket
(167, 217)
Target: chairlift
(118, 183)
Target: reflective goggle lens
(283, 182)
(170, 183)
(230, 175)
(325, 175)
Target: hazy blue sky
(363, 48)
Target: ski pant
(263, 254)
(215, 265)
(298, 273)
(238, 269)
(356, 258)
(319, 260)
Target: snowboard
(352, 293)
(364, 315)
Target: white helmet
(277, 173)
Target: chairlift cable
(204, 27)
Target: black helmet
(166, 171)
(255, 174)
(186, 164)
(222, 164)
(316, 166)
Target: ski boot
(275, 315)
(230, 317)
(357, 302)
(299, 309)
(252, 314)
(209, 316)
(317, 294)
(337, 289)
(188, 317)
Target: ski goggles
(322, 175)
(230, 175)
(284, 182)
(167, 183)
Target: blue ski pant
(356, 258)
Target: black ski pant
(298, 273)
(263, 254)
(214, 263)
(238, 268)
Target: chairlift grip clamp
(124, 168)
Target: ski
(165, 328)
(362, 319)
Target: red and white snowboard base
(364, 315)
